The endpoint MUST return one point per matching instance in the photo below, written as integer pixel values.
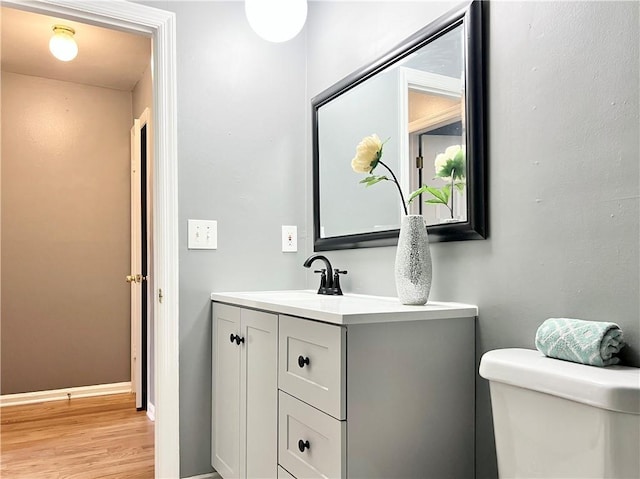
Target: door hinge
(135, 278)
(160, 295)
(419, 162)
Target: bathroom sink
(347, 309)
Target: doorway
(160, 26)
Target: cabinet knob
(232, 338)
(302, 361)
(236, 338)
(302, 445)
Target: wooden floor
(85, 438)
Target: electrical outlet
(289, 239)
(203, 234)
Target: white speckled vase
(413, 261)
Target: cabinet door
(259, 393)
(225, 431)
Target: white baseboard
(67, 393)
(211, 475)
(151, 412)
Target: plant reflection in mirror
(368, 156)
(450, 167)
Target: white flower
(368, 156)
(447, 161)
(368, 153)
(441, 162)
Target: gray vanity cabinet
(245, 392)
(393, 400)
(381, 392)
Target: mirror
(424, 99)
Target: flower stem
(395, 180)
(453, 174)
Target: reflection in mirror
(348, 207)
(425, 99)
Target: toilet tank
(557, 419)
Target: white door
(139, 259)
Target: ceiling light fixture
(276, 20)
(62, 44)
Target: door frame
(160, 25)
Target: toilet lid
(616, 388)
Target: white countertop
(347, 309)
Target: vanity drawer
(321, 437)
(312, 363)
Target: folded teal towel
(586, 342)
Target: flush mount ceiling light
(62, 44)
(276, 20)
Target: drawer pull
(302, 361)
(235, 338)
(302, 445)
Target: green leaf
(438, 193)
(435, 201)
(460, 186)
(372, 180)
(445, 171)
(416, 193)
(446, 191)
(459, 165)
(454, 166)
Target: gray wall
(241, 153)
(563, 154)
(563, 170)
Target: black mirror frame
(470, 14)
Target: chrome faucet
(329, 278)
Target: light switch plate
(203, 234)
(289, 239)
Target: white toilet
(557, 419)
